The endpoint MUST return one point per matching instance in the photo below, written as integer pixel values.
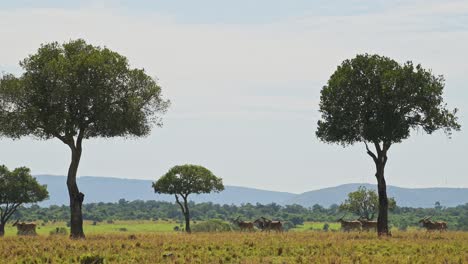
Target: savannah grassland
(165, 246)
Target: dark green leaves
(76, 87)
(188, 179)
(18, 187)
(374, 99)
(364, 203)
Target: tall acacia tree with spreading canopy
(377, 101)
(75, 91)
(184, 180)
(17, 187)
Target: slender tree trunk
(76, 197)
(382, 220)
(380, 161)
(2, 229)
(187, 216)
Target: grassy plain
(102, 227)
(156, 242)
(236, 247)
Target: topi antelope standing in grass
(350, 225)
(268, 225)
(243, 225)
(25, 229)
(368, 225)
(431, 225)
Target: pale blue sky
(244, 78)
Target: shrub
(59, 231)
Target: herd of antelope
(361, 224)
(267, 225)
(261, 223)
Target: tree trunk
(76, 197)
(2, 229)
(187, 217)
(382, 219)
(380, 161)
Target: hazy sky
(244, 79)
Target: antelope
(350, 225)
(25, 229)
(243, 225)
(266, 224)
(431, 225)
(368, 225)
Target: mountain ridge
(111, 189)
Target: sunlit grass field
(103, 227)
(145, 227)
(236, 247)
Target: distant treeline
(401, 217)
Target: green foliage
(18, 187)
(364, 203)
(147, 210)
(375, 99)
(59, 231)
(76, 89)
(188, 179)
(326, 227)
(213, 225)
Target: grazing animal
(431, 225)
(243, 225)
(25, 229)
(268, 225)
(368, 225)
(350, 225)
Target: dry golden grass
(292, 247)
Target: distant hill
(106, 189)
(420, 197)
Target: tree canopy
(17, 187)
(188, 179)
(375, 99)
(78, 90)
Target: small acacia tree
(17, 187)
(375, 100)
(77, 91)
(181, 181)
(364, 203)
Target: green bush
(59, 231)
(214, 225)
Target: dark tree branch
(378, 148)
(9, 214)
(180, 204)
(370, 153)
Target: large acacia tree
(75, 91)
(183, 180)
(17, 187)
(377, 101)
